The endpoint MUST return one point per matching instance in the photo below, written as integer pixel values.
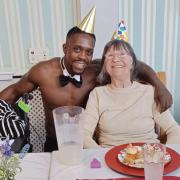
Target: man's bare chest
(64, 96)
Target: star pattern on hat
(120, 33)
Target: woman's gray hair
(104, 78)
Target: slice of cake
(133, 154)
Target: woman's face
(118, 63)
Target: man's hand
(163, 97)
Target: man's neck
(65, 66)
(67, 73)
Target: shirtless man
(78, 52)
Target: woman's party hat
(120, 33)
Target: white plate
(139, 162)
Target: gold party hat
(87, 24)
(120, 33)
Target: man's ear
(64, 48)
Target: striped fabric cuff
(10, 123)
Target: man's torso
(54, 95)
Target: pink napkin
(164, 178)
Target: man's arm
(145, 73)
(13, 92)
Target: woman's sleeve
(90, 120)
(167, 122)
(10, 123)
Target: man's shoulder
(96, 61)
(44, 69)
(94, 67)
(46, 65)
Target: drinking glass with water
(154, 155)
(67, 120)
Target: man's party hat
(87, 24)
(120, 33)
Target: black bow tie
(64, 80)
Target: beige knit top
(125, 115)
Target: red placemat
(113, 162)
(164, 178)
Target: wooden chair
(162, 76)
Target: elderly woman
(123, 110)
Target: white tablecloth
(83, 171)
(44, 166)
(35, 166)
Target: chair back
(162, 76)
(37, 121)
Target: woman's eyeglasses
(112, 56)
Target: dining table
(47, 166)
